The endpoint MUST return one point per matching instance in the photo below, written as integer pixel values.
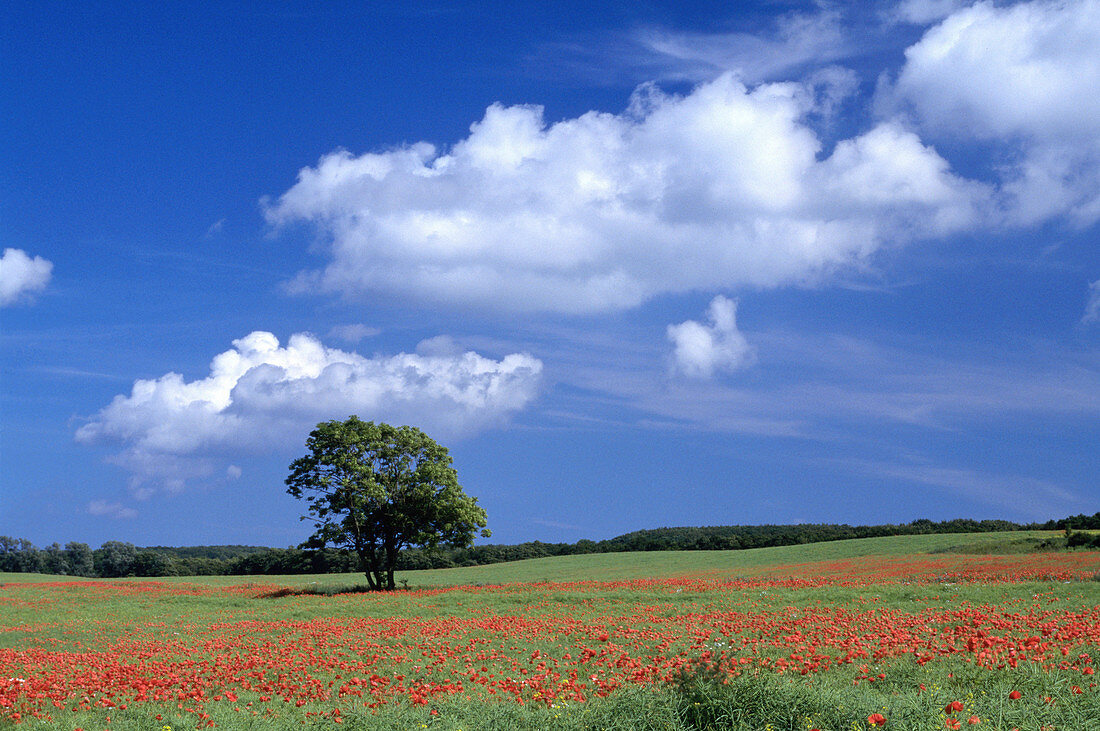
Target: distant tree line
(116, 558)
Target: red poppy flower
(876, 719)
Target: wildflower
(952, 723)
(953, 707)
(876, 719)
(1014, 695)
(973, 720)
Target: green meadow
(647, 565)
(915, 632)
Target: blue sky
(635, 264)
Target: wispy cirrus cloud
(118, 511)
(817, 386)
(779, 47)
(1092, 307)
(792, 43)
(1019, 494)
(354, 332)
(923, 12)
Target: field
(918, 632)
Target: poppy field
(892, 641)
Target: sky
(635, 264)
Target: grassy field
(645, 565)
(841, 635)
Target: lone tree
(376, 488)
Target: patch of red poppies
(554, 650)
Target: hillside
(780, 560)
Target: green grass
(662, 564)
(635, 565)
(541, 612)
(632, 565)
(35, 578)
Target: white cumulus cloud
(20, 275)
(1024, 75)
(701, 350)
(261, 396)
(723, 187)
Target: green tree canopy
(114, 558)
(78, 559)
(376, 489)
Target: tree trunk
(391, 562)
(368, 560)
(378, 563)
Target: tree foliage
(376, 489)
(114, 558)
(79, 559)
